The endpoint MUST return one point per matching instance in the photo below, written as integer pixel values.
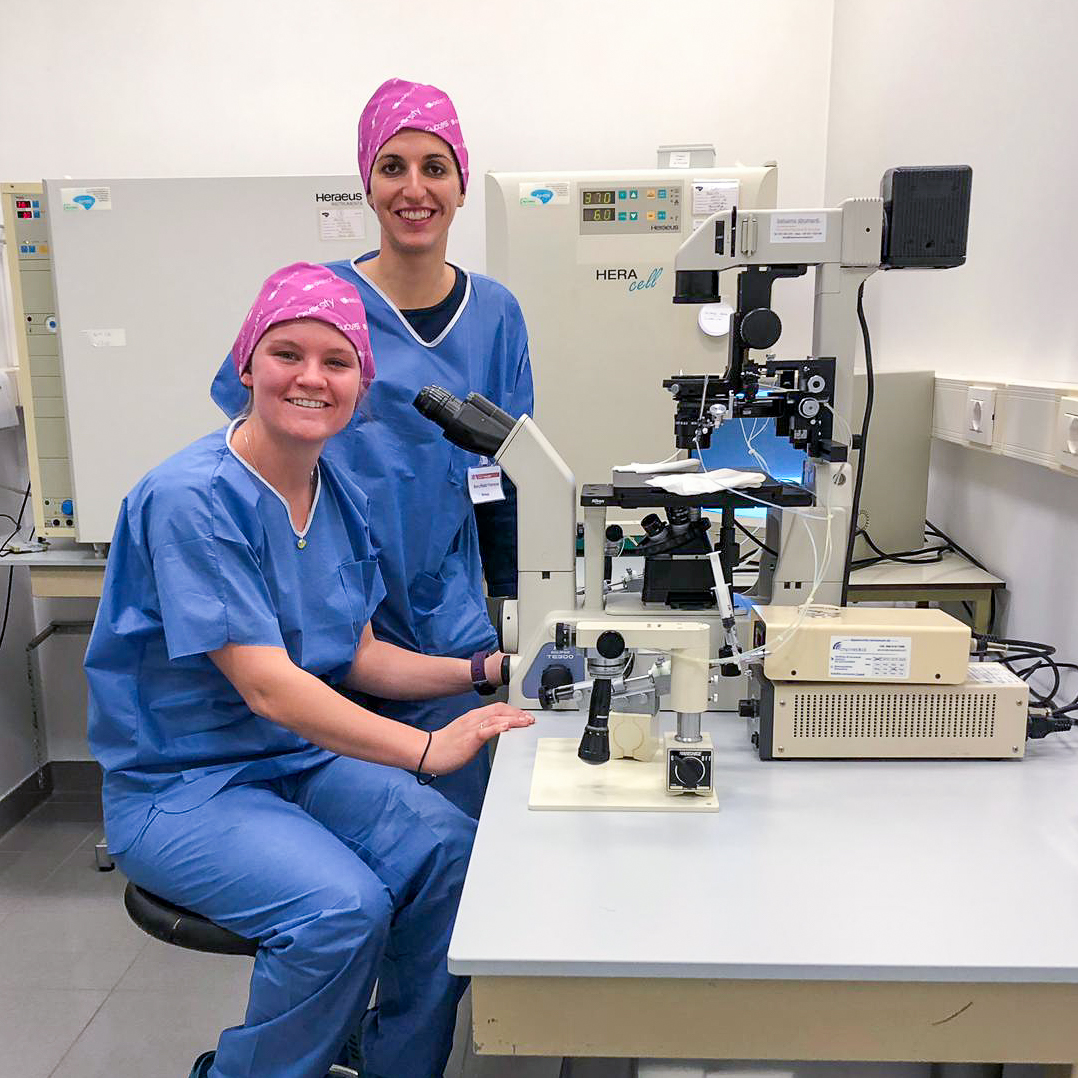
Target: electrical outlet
(1067, 433)
(980, 414)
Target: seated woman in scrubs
(238, 782)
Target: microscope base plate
(563, 782)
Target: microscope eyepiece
(475, 423)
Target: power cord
(870, 389)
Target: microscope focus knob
(553, 677)
(610, 644)
(760, 328)
(615, 533)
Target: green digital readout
(599, 213)
(598, 198)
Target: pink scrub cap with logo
(306, 291)
(399, 104)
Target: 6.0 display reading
(599, 213)
(598, 198)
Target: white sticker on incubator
(485, 484)
(798, 228)
(680, 158)
(538, 193)
(106, 338)
(714, 196)
(874, 658)
(341, 223)
(990, 673)
(82, 199)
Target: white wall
(222, 87)
(995, 86)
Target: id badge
(485, 484)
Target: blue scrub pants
(466, 787)
(346, 873)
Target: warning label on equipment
(874, 658)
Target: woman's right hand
(454, 745)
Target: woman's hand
(454, 745)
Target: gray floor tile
(38, 833)
(80, 810)
(75, 925)
(25, 964)
(37, 1026)
(157, 1034)
(163, 967)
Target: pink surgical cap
(306, 291)
(399, 104)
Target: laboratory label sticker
(798, 228)
(81, 199)
(991, 673)
(485, 484)
(545, 194)
(680, 158)
(714, 196)
(106, 338)
(873, 658)
(341, 223)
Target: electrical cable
(759, 542)
(870, 388)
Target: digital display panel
(598, 198)
(599, 213)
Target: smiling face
(415, 191)
(305, 379)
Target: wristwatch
(479, 674)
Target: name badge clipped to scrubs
(485, 483)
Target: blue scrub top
(421, 518)
(204, 555)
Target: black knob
(760, 328)
(610, 644)
(552, 678)
(690, 771)
(652, 524)
(614, 534)
(564, 635)
(595, 744)
(679, 514)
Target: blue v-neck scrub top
(205, 554)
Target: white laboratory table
(64, 571)
(848, 910)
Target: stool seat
(173, 924)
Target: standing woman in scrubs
(430, 322)
(238, 782)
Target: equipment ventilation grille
(852, 714)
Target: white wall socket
(1067, 433)
(980, 414)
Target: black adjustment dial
(652, 524)
(610, 644)
(760, 328)
(689, 771)
(553, 677)
(614, 533)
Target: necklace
(300, 541)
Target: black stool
(173, 924)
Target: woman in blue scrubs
(430, 322)
(238, 782)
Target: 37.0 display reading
(598, 198)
